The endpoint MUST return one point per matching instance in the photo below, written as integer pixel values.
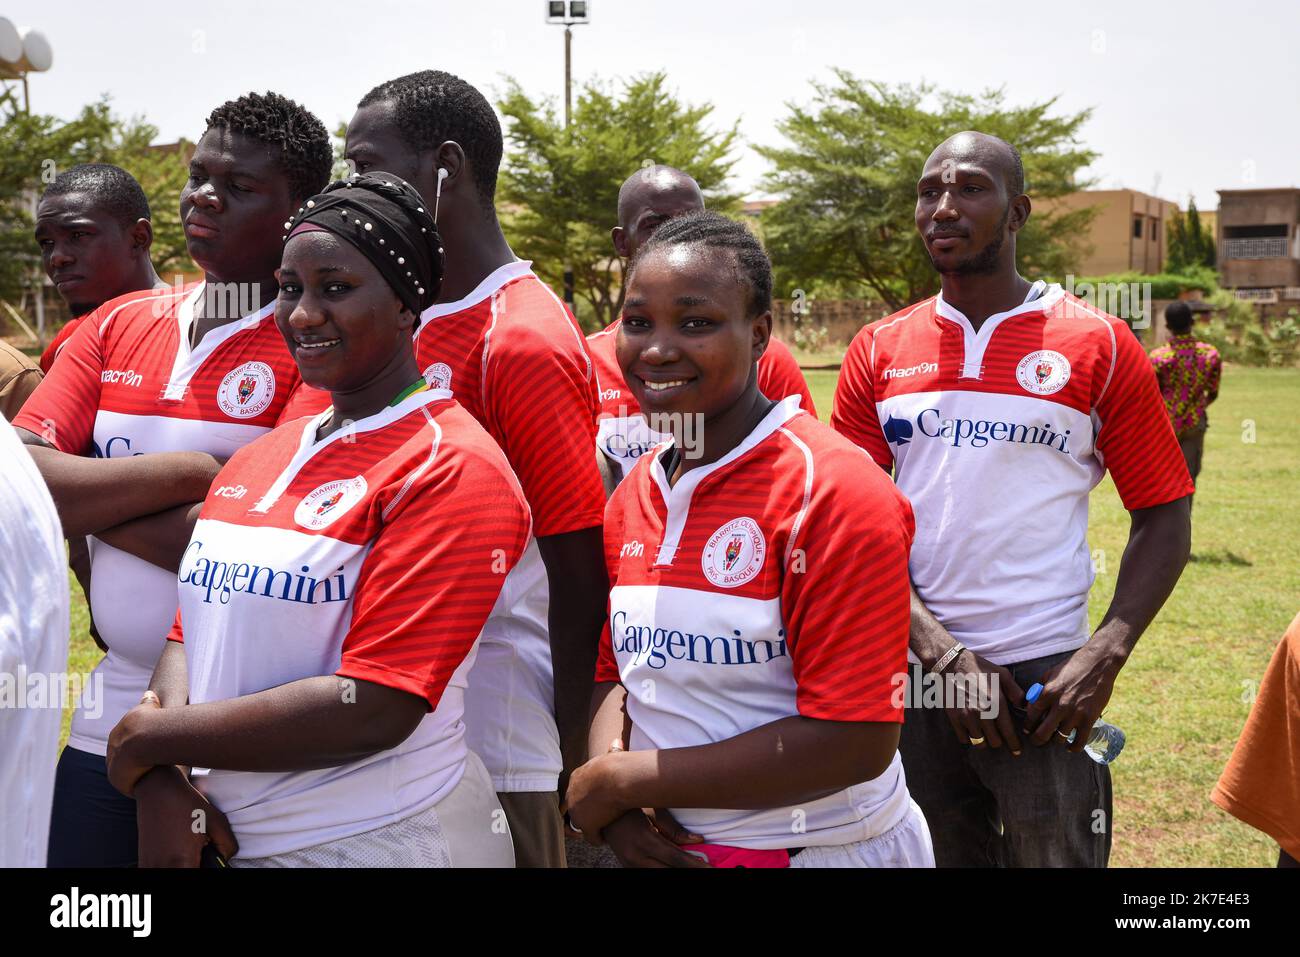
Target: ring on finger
(1063, 734)
(976, 741)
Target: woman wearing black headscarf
(331, 595)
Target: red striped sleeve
(845, 598)
(854, 413)
(606, 663)
(779, 376)
(541, 397)
(426, 587)
(1136, 441)
(62, 409)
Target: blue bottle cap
(1034, 691)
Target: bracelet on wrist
(948, 658)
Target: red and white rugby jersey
(622, 432)
(769, 584)
(374, 554)
(128, 383)
(515, 359)
(997, 437)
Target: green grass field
(1184, 695)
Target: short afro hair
(1178, 317)
(110, 188)
(715, 231)
(432, 107)
(306, 156)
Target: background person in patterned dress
(1188, 372)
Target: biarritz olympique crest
(1043, 372)
(734, 553)
(247, 390)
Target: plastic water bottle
(1105, 741)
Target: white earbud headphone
(437, 196)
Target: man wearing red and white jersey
(150, 393)
(511, 353)
(999, 404)
(648, 198)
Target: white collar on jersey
(1040, 296)
(677, 498)
(308, 447)
(490, 284)
(777, 416)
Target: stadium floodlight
(570, 13)
(23, 51)
(11, 44)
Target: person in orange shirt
(1261, 784)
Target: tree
(847, 182)
(558, 190)
(35, 148)
(1190, 243)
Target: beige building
(1127, 233)
(1259, 242)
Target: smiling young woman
(759, 607)
(329, 602)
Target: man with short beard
(999, 404)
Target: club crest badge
(1043, 372)
(326, 504)
(734, 553)
(438, 376)
(246, 391)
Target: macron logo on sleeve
(127, 377)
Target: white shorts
(906, 844)
(467, 828)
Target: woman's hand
(125, 766)
(175, 821)
(638, 842)
(592, 797)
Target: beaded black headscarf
(384, 217)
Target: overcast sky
(1188, 97)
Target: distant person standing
(1188, 372)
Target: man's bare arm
(94, 494)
